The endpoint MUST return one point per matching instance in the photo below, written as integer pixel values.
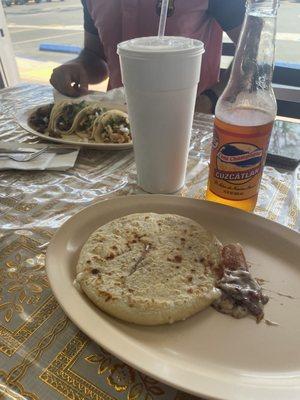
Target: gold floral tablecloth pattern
(42, 354)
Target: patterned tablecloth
(42, 354)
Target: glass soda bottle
(245, 112)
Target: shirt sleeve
(228, 13)
(88, 23)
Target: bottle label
(237, 162)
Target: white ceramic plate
(22, 119)
(211, 354)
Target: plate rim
(21, 119)
(123, 355)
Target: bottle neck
(253, 64)
(263, 7)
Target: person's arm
(230, 16)
(73, 77)
(234, 34)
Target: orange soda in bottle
(245, 112)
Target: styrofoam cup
(160, 76)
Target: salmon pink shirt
(118, 20)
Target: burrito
(112, 127)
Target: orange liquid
(243, 139)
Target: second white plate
(22, 119)
(211, 354)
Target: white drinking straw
(163, 18)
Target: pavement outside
(37, 71)
(62, 23)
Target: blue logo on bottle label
(238, 162)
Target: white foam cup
(160, 76)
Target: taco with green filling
(62, 117)
(84, 120)
(112, 127)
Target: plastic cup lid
(154, 45)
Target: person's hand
(204, 104)
(70, 79)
